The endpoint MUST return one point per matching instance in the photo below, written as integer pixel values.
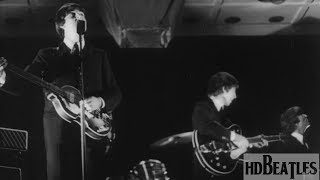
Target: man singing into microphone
(62, 66)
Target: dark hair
(289, 119)
(62, 12)
(219, 81)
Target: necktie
(75, 49)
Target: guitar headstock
(282, 137)
(270, 138)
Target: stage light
(273, 1)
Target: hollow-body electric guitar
(214, 156)
(66, 103)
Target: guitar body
(214, 156)
(97, 124)
(62, 107)
(65, 101)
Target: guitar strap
(227, 122)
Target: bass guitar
(66, 103)
(214, 156)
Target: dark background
(160, 87)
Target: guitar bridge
(212, 145)
(204, 149)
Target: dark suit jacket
(55, 64)
(289, 145)
(208, 121)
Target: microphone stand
(80, 31)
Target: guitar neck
(36, 80)
(272, 138)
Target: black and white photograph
(159, 90)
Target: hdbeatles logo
(281, 166)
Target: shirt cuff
(232, 136)
(103, 104)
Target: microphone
(81, 27)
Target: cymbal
(177, 139)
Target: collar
(217, 104)
(70, 44)
(211, 104)
(63, 49)
(298, 136)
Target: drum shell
(149, 170)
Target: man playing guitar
(74, 64)
(209, 124)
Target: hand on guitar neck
(260, 144)
(242, 144)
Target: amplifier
(10, 173)
(13, 139)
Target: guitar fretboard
(272, 138)
(38, 81)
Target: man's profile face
(229, 95)
(303, 122)
(70, 25)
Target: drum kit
(153, 169)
